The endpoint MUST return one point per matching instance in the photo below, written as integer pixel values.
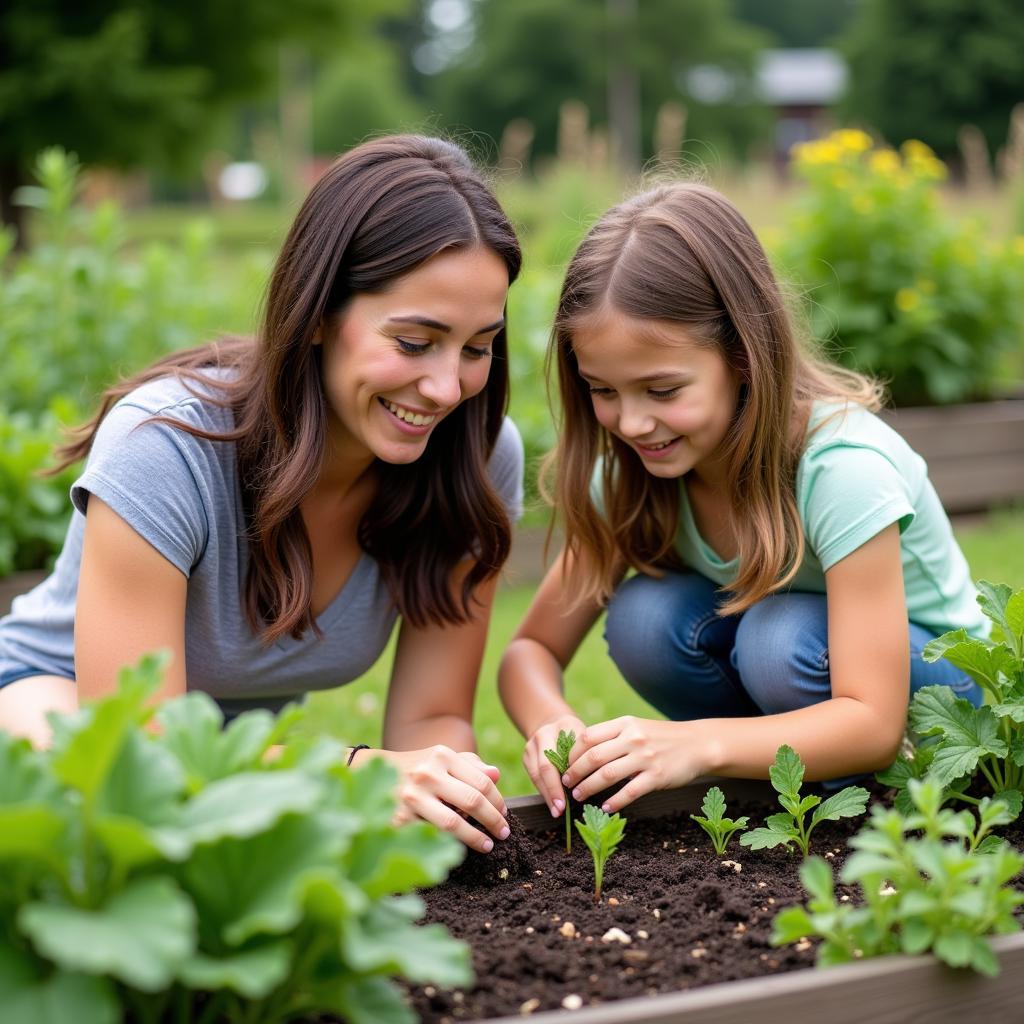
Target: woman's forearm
(530, 685)
(448, 730)
(840, 736)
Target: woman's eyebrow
(436, 325)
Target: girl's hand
(442, 786)
(650, 754)
(540, 769)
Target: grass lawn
(994, 549)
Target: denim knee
(781, 652)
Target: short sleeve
(144, 471)
(505, 469)
(850, 494)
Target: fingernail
(559, 807)
(565, 779)
(505, 833)
(607, 808)
(554, 813)
(576, 795)
(488, 845)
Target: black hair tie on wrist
(355, 750)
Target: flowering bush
(895, 286)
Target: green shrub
(183, 877)
(895, 286)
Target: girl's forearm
(530, 685)
(840, 736)
(449, 730)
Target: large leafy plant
(180, 876)
(896, 285)
(961, 743)
(933, 880)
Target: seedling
(787, 774)
(931, 880)
(602, 833)
(714, 823)
(559, 757)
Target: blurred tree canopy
(797, 23)
(923, 68)
(525, 59)
(129, 82)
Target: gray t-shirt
(181, 493)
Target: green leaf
(993, 599)
(981, 660)
(246, 804)
(369, 1000)
(790, 925)
(384, 941)
(816, 876)
(1015, 616)
(30, 831)
(559, 757)
(253, 973)
(787, 773)
(916, 936)
(955, 947)
(983, 960)
(140, 936)
(768, 838)
(24, 773)
(368, 792)
(713, 805)
(392, 860)
(847, 803)
(84, 754)
(968, 733)
(59, 998)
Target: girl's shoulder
(842, 424)
(198, 402)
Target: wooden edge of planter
(885, 990)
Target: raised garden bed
(694, 924)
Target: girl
(267, 509)
(791, 557)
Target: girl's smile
(658, 389)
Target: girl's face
(652, 386)
(396, 362)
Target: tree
(527, 58)
(130, 82)
(798, 23)
(924, 68)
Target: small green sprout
(560, 759)
(602, 833)
(718, 827)
(787, 774)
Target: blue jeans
(681, 656)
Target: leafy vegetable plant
(787, 775)
(943, 890)
(718, 827)
(960, 740)
(179, 877)
(602, 833)
(559, 757)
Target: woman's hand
(650, 754)
(540, 769)
(440, 785)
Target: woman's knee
(781, 652)
(24, 705)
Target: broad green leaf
(246, 804)
(981, 660)
(787, 772)
(391, 860)
(983, 959)
(767, 838)
(968, 733)
(816, 876)
(84, 755)
(383, 941)
(713, 804)
(365, 1000)
(1015, 615)
(145, 783)
(847, 803)
(993, 598)
(258, 885)
(24, 774)
(790, 925)
(808, 803)
(59, 998)
(955, 947)
(253, 973)
(1014, 710)
(140, 936)
(193, 734)
(1000, 810)
(916, 936)
(31, 831)
(368, 791)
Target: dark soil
(685, 916)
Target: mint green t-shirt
(856, 477)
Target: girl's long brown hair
(379, 212)
(682, 253)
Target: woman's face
(396, 362)
(654, 387)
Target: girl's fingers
(634, 788)
(593, 761)
(614, 767)
(460, 796)
(549, 785)
(478, 781)
(430, 808)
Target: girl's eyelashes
(666, 393)
(417, 348)
(476, 353)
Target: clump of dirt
(511, 859)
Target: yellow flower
(813, 153)
(884, 162)
(915, 149)
(852, 139)
(907, 299)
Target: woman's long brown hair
(683, 254)
(380, 211)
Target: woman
(266, 509)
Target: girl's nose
(441, 385)
(634, 422)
